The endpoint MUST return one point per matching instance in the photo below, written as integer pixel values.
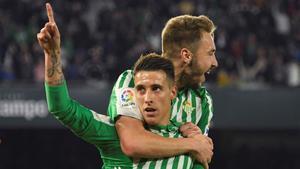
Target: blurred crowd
(258, 41)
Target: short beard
(186, 80)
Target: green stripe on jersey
(194, 104)
(205, 111)
(165, 161)
(122, 80)
(125, 80)
(131, 83)
(112, 109)
(177, 158)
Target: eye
(156, 88)
(140, 90)
(212, 52)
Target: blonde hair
(184, 31)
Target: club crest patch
(187, 107)
(127, 98)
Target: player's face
(153, 95)
(203, 61)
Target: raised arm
(49, 40)
(81, 120)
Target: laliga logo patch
(187, 106)
(127, 98)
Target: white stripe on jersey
(198, 109)
(174, 108)
(181, 161)
(170, 163)
(179, 114)
(189, 162)
(209, 101)
(158, 164)
(102, 118)
(127, 79)
(135, 163)
(147, 164)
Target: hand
(203, 151)
(189, 129)
(205, 145)
(49, 36)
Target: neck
(165, 121)
(178, 69)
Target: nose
(215, 62)
(149, 97)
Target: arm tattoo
(55, 67)
(56, 82)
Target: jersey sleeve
(85, 123)
(122, 100)
(207, 111)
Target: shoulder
(125, 79)
(202, 91)
(199, 92)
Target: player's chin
(202, 79)
(151, 121)
(199, 79)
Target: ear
(186, 56)
(173, 92)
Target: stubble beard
(190, 77)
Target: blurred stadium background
(256, 122)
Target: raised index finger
(50, 13)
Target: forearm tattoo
(55, 69)
(56, 82)
(55, 65)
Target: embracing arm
(138, 142)
(135, 140)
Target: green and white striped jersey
(190, 105)
(99, 130)
(181, 161)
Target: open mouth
(150, 112)
(149, 109)
(209, 71)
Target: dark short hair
(155, 62)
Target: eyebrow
(138, 86)
(156, 85)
